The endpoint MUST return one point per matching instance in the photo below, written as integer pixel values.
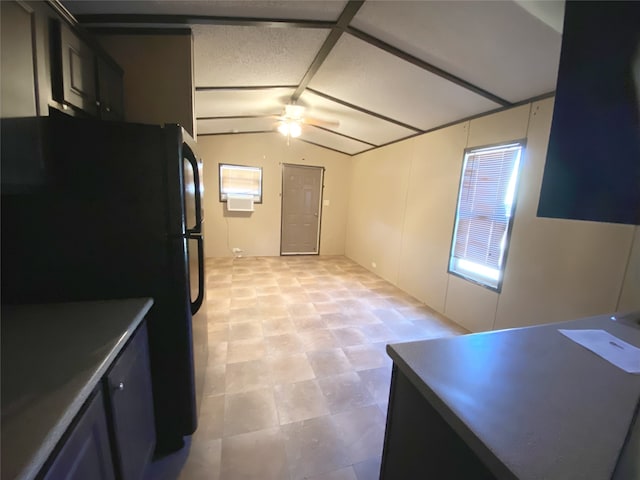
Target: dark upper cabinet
(78, 65)
(22, 90)
(592, 170)
(83, 77)
(131, 407)
(19, 95)
(110, 90)
(85, 453)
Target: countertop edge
(458, 425)
(49, 443)
(491, 459)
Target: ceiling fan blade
(321, 123)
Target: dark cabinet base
(85, 453)
(419, 443)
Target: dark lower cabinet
(114, 435)
(420, 444)
(85, 453)
(130, 408)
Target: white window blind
(240, 181)
(483, 216)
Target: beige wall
(402, 208)
(158, 77)
(258, 233)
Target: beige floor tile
(284, 344)
(297, 381)
(217, 353)
(289, 368)
(348, 336)
(210, 418)
(214, 380)
(249, 302)
(308, 323)
(203, 462)
(249, 411)
(272, 311)
(319, 296)
(364, 357)
(318, 339)
(368, 470)
(245, 350)
(255, 456)
(245, 314)
(347, 473)
(277, 326)
(245, 330)
(243, 292)
(377, 382)
(345, 392)
(362, 431)
(313, 447)
(299, 401)
(267, 290)
(302, 310)
(245, 376)
(336, 320)
(329, 362)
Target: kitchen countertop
(53, 356)
(531, 403)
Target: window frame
(498, 288)
(223, 195)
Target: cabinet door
(110, 91)
(78, 72)
(18, 86)
(131, 406)
(85, 453)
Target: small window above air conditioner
(240, 203)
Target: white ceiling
(385, 70)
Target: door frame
(320, 204)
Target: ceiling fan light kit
(290, 128)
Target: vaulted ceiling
(368, 73)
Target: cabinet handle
(119, 386)
(108, 109)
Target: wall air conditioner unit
(240, 203)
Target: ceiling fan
(290, 123)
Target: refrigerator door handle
(197, 303)
(188, 154)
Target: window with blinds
(483, 216)
(240, 181)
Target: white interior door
(301, 209)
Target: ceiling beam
(109, 19)
(376, 42)
(364, 110)
(246, 87)
(338, 29)
(333, 132)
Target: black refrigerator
(119, 214)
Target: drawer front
(131, 406)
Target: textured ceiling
(367, 72)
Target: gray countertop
(531, 403)
(53, 356)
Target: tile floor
(297, 381)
